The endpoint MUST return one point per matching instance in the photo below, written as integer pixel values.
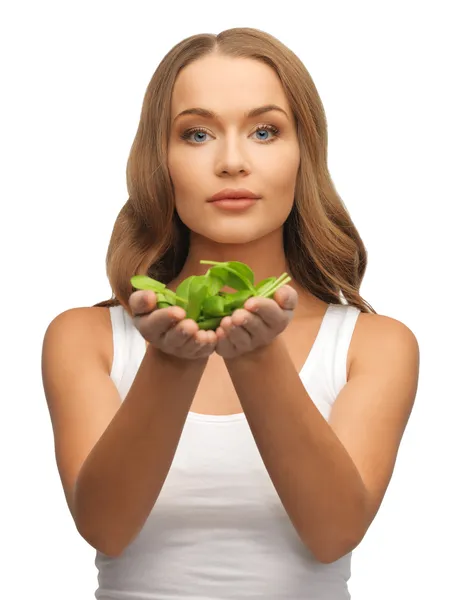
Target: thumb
(142, 302)
(286, 297)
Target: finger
(142, 302)
(200, 341)
(205, 336)
(154, 325)
(224, 347)
(198, 345)
(252, 323)
(204, 343)
(266, 309)
(286, 297)
(237, 335)
(179, 335)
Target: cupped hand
(257, 324)
(168, 329)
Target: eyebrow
(209, 114)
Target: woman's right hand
(168, 329)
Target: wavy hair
(324, 251)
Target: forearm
(316, 480)
(121, 478)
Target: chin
(234, 235)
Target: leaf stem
(284, 278)
(277, 287)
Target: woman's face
(259, 153)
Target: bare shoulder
(377, 337)
(93, 327)
(371, 411)
(81, 397)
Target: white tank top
(218, 530)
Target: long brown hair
(324, 251)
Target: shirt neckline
(240, 416)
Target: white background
(73, 79)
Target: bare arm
(113, 456)
(331, 477)
(122, 477)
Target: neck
(265, 256)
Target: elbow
(92, 535)
(334, 545)
(101, 546)
(340, 541)
(109, 553)
(334, 552)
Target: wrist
(258, 355)
(175, 362)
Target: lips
(233, 194)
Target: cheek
(178, 171)
(186, 171)
(187, 191)
(279, 184)
(279, 165)
(286, 168)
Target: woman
(246, 462)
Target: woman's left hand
(257, 324)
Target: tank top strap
(344, 335)
(118, 325)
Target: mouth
(234, 204)
(234, 194)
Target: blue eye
(189, 132)
(199, 132)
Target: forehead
(227, 85)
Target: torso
(216, 394)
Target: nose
(232, 158)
